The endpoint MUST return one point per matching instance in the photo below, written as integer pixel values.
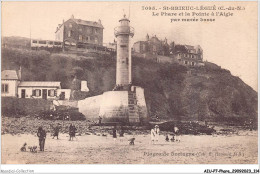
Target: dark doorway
(23, 93)
(62, 96)
(44, 94)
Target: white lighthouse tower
(123, 34)
(126, 102)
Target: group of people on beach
(155, 133)
(41, 134)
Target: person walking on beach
(41, 134)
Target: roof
(39, 84)
(83, 22)
(140, 42)
(9, 75)
(180, 48)
(88, 23)
(124, 19)
(189, 47)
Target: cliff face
(172, 91)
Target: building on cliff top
(188, 55)
(152, 45)
(80, 33)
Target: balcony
(121, 30)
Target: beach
(239, 148)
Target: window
(80, 37)
(70, 25)
(96, 30)
(51, 42)
(36, 92)
(51, 92)
(192, 63)
(89, 30)
(57, 43)
(96, 40)
(186, 62)
(34, 41)
(69, 33)
(5, 88)
(42, 42)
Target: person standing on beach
(41, 134)
(152, 136)
(71, 132)
(114, 134)
(99, 120)
(121, 134)
(176, 132)
(56, 132)
(74, 131)
(156, 130)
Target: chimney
(147, 37)
(20, 74)
(99, 21)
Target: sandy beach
(240, 148)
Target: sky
(230, 42)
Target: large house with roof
(80, 33)
(163, 52)
(152, 45)
(38, 89)
(188, 55)
(12, 86)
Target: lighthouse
(126, 102)
(123, 33)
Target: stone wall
(90, 107)
(114, 106)
(141, 103)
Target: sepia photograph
(129, 82)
